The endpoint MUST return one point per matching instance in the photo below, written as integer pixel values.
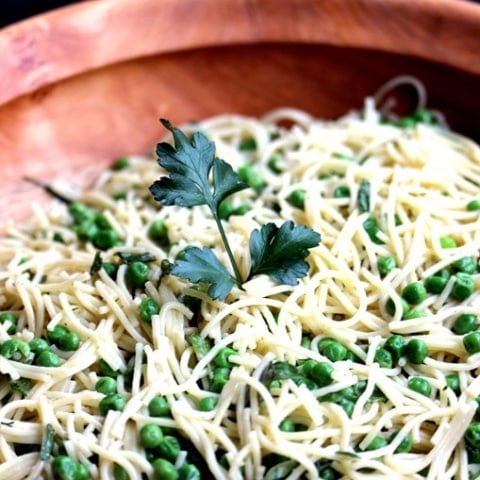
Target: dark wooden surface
(87, 83)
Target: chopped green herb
(48, 442)
(363, 196)
(127, 257)
(97, 263)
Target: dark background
(14, 10)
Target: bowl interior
(73, 127)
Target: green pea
(420, 385)
(112, 401)
(106, 385)
(275, 163)
(407, 122)
(56, 333)
(372, 228)
(472, 435)
(413, 313)
(287, 425)
(111, 269)
(241, 210)
(247, 144)
(435, 284)
(164, 470)
(87, 229)
(64, 468)
(327, 473)
(120, 163)
(219, 379)
(324, 342)
(169, 447)
(69, 342)
(297, 198)
(105, 238)
(221, 359)
(8, 317)
(225, 210)
(147, 308)
(347, 405)
(384, 358)
(307, 366)
(158, 232)
(395, 344)
(414, 293)
(38, 345)
(376, 443)
(150, 435)
(306, 342)
(465, 323)
(82, 472)
(321, 373)
(159, 407)
(342, 191)
(119, 195)
(405, 445)
(465, 264)
(416, 351)
(207, 404)
(463, 286)
(119, 473)
(333, 350)
(453, 382)
(137, 273)
(47, 358)
(106, 369)
(473, 205)
(423, 115)
(447, 242)
(275, 384)
(471, 342)
(15, 349)
(248, 175)
(385, 265)
(101, 221)
(188, 471)
(80, 212)
(390, 306)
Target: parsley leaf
(201, 265)
(198, 177)
(189, 164)
(280, 252)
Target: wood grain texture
(87, 83)
(82, 37)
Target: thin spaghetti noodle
(269, 418)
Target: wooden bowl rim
(82, 37)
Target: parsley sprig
(198, 177)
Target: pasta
(266, 410)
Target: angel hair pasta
(114, 368)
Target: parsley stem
(236, 271)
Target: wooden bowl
(84, 84)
